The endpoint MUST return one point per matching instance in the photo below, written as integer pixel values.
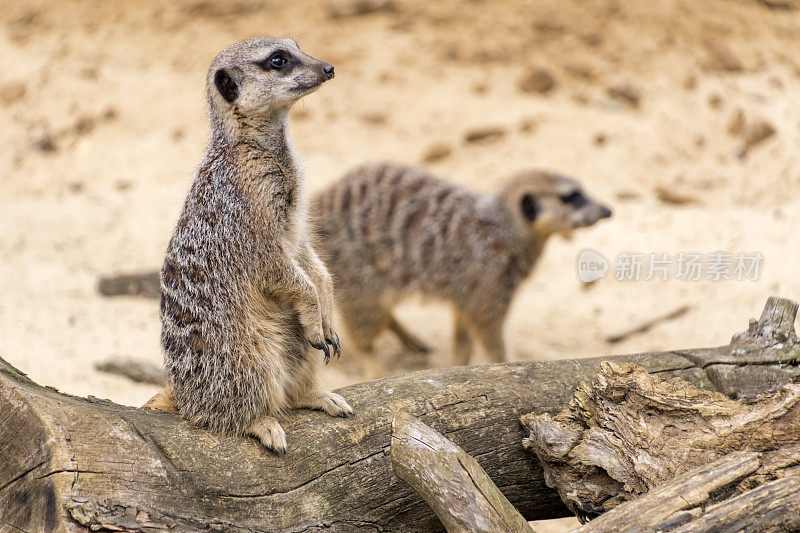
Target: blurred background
(683, 116)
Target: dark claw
(279, 451)
(335, 344)
(351, 413)
(324, 347)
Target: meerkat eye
(277, 61)
(529, 207)
(575, 199)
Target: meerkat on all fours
(388, 231)
(243, 294)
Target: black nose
(605, 212)
(327, 69)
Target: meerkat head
(251, 79)
(544, 203)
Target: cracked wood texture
(453, 483)
(70, 464)
(629, 432)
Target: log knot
(776, 325)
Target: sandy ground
(103, 124)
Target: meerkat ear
(226, 86)
(529, 207)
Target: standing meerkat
(243, 294)
(387, 231)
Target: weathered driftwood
(676, 502)
(685, 504)
(67, 462)
(145, 284)
(133, 369)
(450, 481)
(770, 508)
(629, 432)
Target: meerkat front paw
(315, 333)
(269, 431)
(319, 343)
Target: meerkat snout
(552, 204)
(585, 210)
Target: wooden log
(667, 445)
(671, 504)
(133, 369)
(68, 463)
(454, 485)
(771, 508)
(685, 504)
(757, 361)
(628, 432)
(146, 284)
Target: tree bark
(69, 463)
(450, 481)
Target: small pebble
(537, 80)
(436, 152)
(625, 93)
(11, 92)
(484, 134)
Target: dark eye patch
(575, 199)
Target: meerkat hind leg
(462, 342)
(490, 336)
(363, 324)
(410, 341)
(326, 401)
(269, 431)
(164, 400)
